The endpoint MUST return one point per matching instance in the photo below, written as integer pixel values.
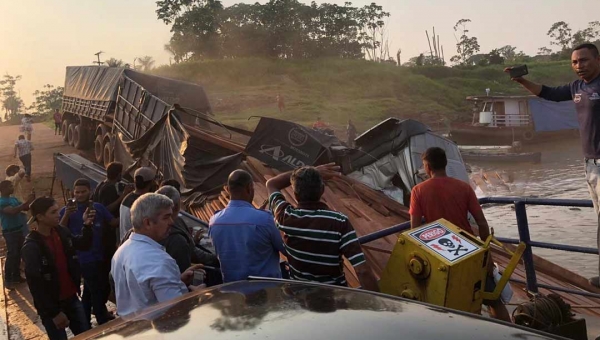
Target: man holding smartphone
(94, 267)
(585, 93)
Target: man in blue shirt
(94, 268)
(13, 221)
(144, 273)
(585, 93)
(246, 239)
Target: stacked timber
(368, 210)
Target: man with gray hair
(180, 243)
(143, 272)
(316, 237)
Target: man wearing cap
(144, 183)
(13, 220)
(52, 269)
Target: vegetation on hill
(342, 89)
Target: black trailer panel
(71, 167)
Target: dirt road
(18, 319)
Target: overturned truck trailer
(140, 119)
(103, 103)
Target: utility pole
(98, 55)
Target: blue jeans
(73, 309)
(95, 291)
(592, 177)
(14, 241)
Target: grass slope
(338, 89)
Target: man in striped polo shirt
(315, 236)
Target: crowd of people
(132, 245)
(132, 242)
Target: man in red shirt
(52, 269)
(445, 197)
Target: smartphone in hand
(518, 71)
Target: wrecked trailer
(103, 103)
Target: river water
(559, 175)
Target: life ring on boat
(528, 135)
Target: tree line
(467, 47)
(285, 29)
(48, 99)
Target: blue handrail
(520, 204)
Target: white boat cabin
(501, 111)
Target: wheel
(99, 149)
(82, 140)
(70, 134)
(108, 154)
(64, 130)
(77, 138)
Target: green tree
(561, 33)
(495, 57)
(544, 51)
(47, 100)
(114, 62)
(146, 63)
(373, 31)
(286, 29)
(589, 34)
(507, 52)
(466, 46)
(11, 102)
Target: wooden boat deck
(370, 211)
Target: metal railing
(520, 204)
(511, 120)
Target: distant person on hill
(351, 133)
(23, 150)
(445, 197)
(320, 124)
(585, 93)
(280, 103)
(57, 122)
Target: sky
(39, 38)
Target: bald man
(246, 239)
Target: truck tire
(77, 137)
(108, 154)
(70, 134)
(99, 149)
(65, 130)
(82, 139)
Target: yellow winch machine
(443, 265)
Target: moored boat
(501, 120)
